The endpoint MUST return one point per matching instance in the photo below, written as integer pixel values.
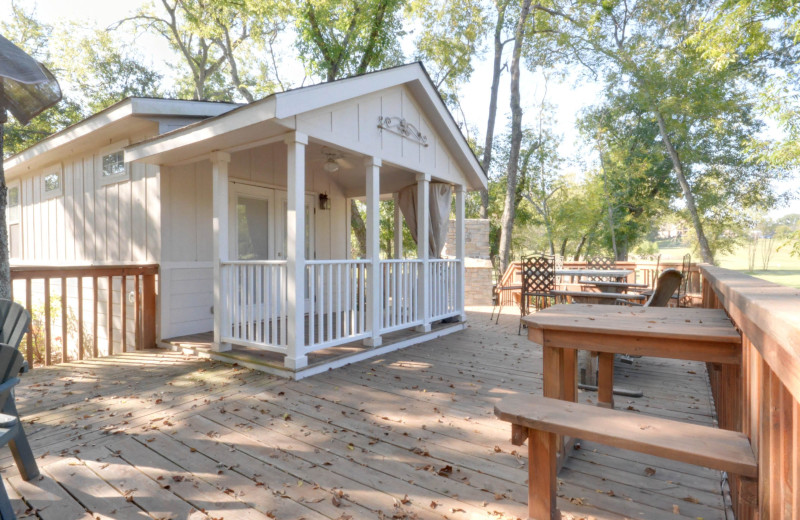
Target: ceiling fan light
(331, 166)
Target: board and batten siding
(90, 222)
(353, 125)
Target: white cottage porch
(303, 304)
(297, 291)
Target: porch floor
(159, 434)
(273, 361)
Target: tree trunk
(5, 266)
(705, 250)
(496, 70)
(359, 229)
(580, 247)
(509, 210)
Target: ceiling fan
(335, 160)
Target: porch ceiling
(351, 176)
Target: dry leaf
(649, 472)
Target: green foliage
(344, 38)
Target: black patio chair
(11, 431)
(538, 281)
(601, 263)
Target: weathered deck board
(161, 435)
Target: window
(113, 164)
(14, 225)
(110, 164)
(51, 182)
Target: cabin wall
(90, 222)
(353, 125)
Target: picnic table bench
(541, 420)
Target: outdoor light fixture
(331, 166)
(324, 201)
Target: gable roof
(110, 120)
(281, 106)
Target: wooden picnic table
(610, 273)
(679, 333)
(612, 287)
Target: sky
(569, 96)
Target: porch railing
(762, 397)
(400, 294)
(442, 288)
(254, 299)
(86, 311)
(336, 305)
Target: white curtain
(438, 214)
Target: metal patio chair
(538, 281)
(601, 263)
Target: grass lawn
(783, 269)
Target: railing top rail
(768, 314)
(253, 262)
(401, 260)
(441, 260)
(334, 262)
(21, 272)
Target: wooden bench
(541, 420)
(599, 297)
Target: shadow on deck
(407, 435)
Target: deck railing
(254, 304)
(94, 304)
(400, 294)
(762, 398)
(336, 305)
(442, 288)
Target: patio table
(679, 333)
(613, 287)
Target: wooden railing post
(148, 312)
(64, 324)
(47, 332)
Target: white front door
(253, 212)
(258, 224)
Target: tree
(704, 114)
(213, 38)
(100, 69)
(509, 208)
(345, 38)
(499, 42)
(34, 37)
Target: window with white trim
(52, 182)
(110, 164)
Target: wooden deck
(159, 434)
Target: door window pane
(252, 228)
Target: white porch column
(398, 228)
(295, 250)
(374, 301)
(219, 192)
(460, 244)
(423, 248)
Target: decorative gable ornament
(401, 127)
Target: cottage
(246, 211)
